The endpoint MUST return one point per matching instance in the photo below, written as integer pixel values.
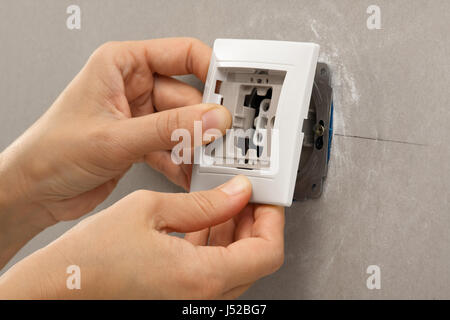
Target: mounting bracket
(318, 134)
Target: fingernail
(235, 186)
(217, 118)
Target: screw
(319, 130)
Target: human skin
(121, 109)
(125, 251)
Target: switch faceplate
(266, 86)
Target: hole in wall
(319, 143)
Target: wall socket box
(266, 85)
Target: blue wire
(330, 131)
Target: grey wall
(387, 195)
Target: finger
(222, 234)
(178, 56)
(171, 93)
(269, 223)
(131, 64)
(162, 162)
(236, 292)
(142, 106)
(153, 132)
(250, 259)
(169, 56)
(189, 212)
(244, 223)
(198, 238)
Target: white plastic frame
(273, 185)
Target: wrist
(20, 218)
(12, 185)
(39, 276)
(49, 274)
(16, 198)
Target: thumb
(189, 212)
(153, 132)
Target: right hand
(125, 251)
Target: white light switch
(266, 85)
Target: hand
(125, 251)
(71, 159)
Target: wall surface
(386, 200)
